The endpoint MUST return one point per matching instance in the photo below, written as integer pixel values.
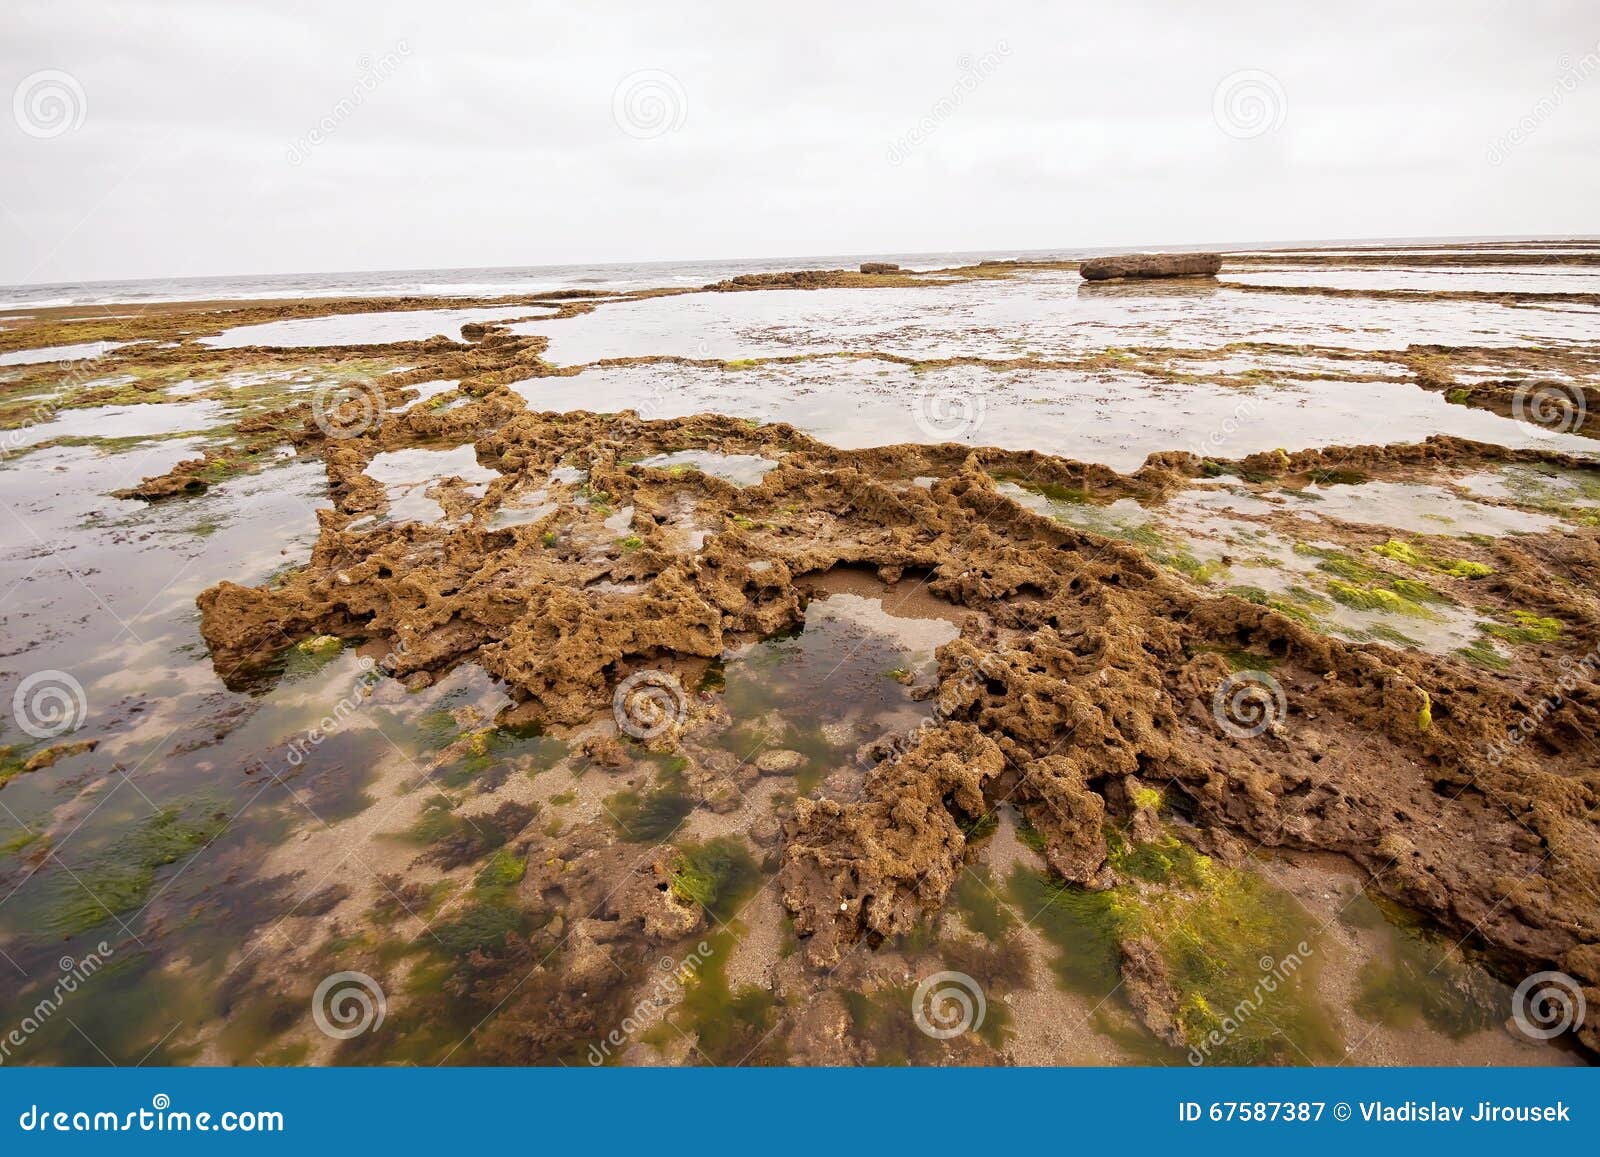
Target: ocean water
(513, 279)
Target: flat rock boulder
(879, 267)
(1151, 265)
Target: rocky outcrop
(181, 479)
(876, 866)
(1084, 677)
(879, 267)
(1145, 266)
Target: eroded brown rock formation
(1142, 266)
(1084, 675)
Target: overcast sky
(153, 138)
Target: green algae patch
(1482, 652)
(652, 814)
(119, 879)
(1525, 627)
(488, 754)
(454, 840)
(503, 872)
(1419, 977)
(1029, 836)
(1296, 603)
(1161, 861)
(731, 1025)
(1055, 492)
(1086, 926)
(1413, 555)
(320, 646)
(1237, 658)
(981, 908)
(719, 875)
(1237, 951)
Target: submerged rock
(1151, 265)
